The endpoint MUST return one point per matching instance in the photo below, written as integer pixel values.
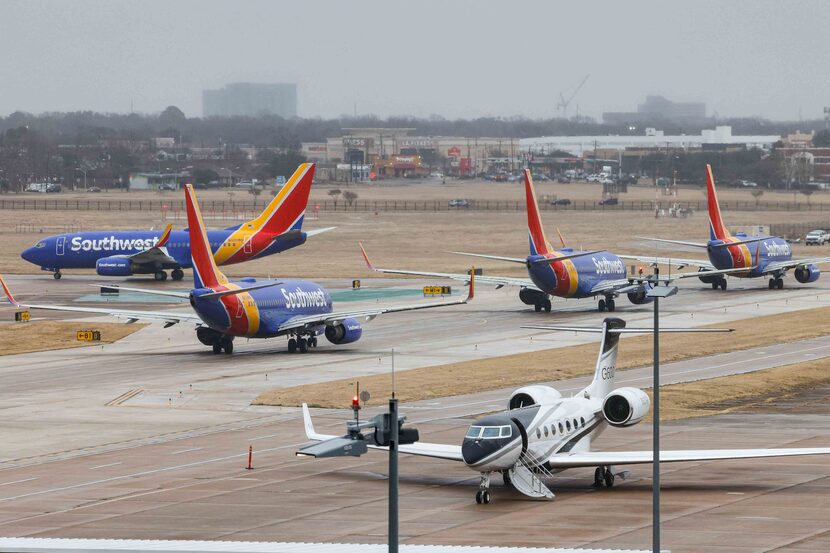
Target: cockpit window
(491, 432)
(40, 244)
(506, 431)
(474, 432)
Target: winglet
(165, 236)
(366, 256)
(472, 292)
(6, 291)
(561, 238)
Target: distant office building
(657, 108)
(251, 99)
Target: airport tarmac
(168, 463)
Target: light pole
(657, 292)
(84, 172)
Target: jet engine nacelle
(531, 297)
(708, 279)
(533, 395)
(639, 297)
(807, 273)
(625, 406)
(114, 266)
(344, 333)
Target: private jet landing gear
(177, 274)
(161, 275)
(483, 493)
(776, 283)
(57, 275)
(603, 476)
(607, 304)
(719, 283)
(544, 304)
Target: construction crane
(564, 103)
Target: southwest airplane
(746, 256)
(542, 433)
(565, 273)
(125, 253)
(224, 310)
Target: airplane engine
(807, 273)
(708, 279)
(639, 297)
(531, 297)
(625, 406)
(533, 395)
(207, 336)
(344, 333)
(114, 266)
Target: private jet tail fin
(538, 241)
(717, 231)
(205, 271)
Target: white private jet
(542, 433)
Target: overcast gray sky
(452, 58)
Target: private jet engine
(625, 406)
(115, 265)
(344, 333)
(533, 395)
(639, 297)
(532, 297)
(807, 273)
(708, 279)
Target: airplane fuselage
(772, 250)
(260, 313)
(83, 250)
(575, 278)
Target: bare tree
(757, 193)
(334, 193)
(350, 197)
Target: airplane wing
(671, 261)
(169, 319)
(424, 449)
(337, 317)
(597, 458)
(499, 281)
(168, 293)
(793, 263)
(157, 254)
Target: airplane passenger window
(538, 433)
(546, 432)
(575, 425)
(568, 425)
(561, 428)
(582, 420)
(553, 430)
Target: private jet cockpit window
(489, 432)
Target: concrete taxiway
(168, 461)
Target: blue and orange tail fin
(717, 231)
(538, 241)
(7, 292)
(205, 271)
(165, 236)
(287, 210)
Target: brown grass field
(418, 240)
(49, 335)
(524, 368)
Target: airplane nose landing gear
(483, 493)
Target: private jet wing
(424, 449)
(599, 458)
(793, 263)
(498, 281)
(337, 317)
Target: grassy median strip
(740, 392)
(49, 335)
(555, 364)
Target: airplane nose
(29, 255)
(490, 452)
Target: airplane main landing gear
(161, 275)
(177, 274)
(719, 283)
(301, 344)
(607, 304)
(57, 275)
(223, 343)
(603, 476)
(776, 283)
(483, 493)
(543, 304)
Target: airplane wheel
(312, 342)
(161, 275)
(228, 346)
(611, 305)
(537, 307)
(602, 305)
(57, 276)
(485, 497)
(599, 477)
(217, 348)
(779, 283)
(609, 478)
(771, 283)
(478, 497)
(723, 284)
(302, 345)
(292, 345)
(715, 285)
(177, 274)
(547, 306)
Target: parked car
(563, 180)
(592, 178)
(53, 188)
(560, 201)
(93, 189)
(663, 181)
(817, 238)
(606, 180)
(459, 202)
(541, 177)
(741, 183)
(167, 187)
(609, 201)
